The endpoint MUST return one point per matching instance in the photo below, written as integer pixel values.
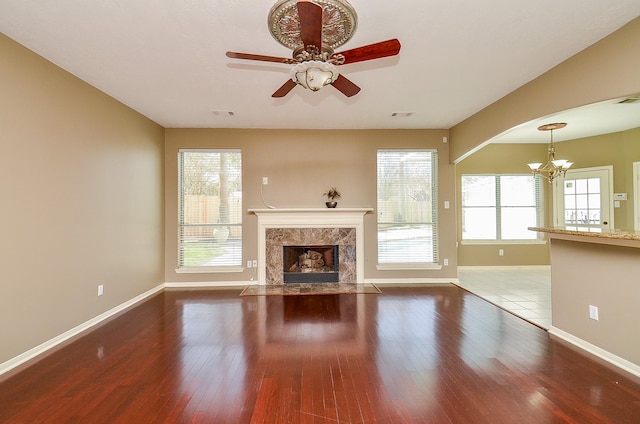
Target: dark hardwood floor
(409, 355)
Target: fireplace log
(311, 259)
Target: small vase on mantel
(332, 195)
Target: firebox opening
(310, 264)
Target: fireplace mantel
(310, 218)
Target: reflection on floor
(523, 291)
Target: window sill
(497, 242)
(208, 269)
(408, 267)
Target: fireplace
(341, 227)
(311, 264)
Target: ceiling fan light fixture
(312, 29)
(314, 74)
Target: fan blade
(371, 51)
(345, 86)
(310, 15)
(263, 58)
(284, 90)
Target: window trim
(434, 223)
(211, 268)
(500, 242)
(539, 194)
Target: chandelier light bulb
(535, 165)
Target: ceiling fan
(313, 29)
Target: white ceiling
(598, 118)
(166, 58)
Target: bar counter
(613, 237)
(595, 293)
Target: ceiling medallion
(339, 21)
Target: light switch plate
(593, 312)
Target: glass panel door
(582, 199)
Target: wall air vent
(629, 100)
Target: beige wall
(605, 70)
(618, 149)
(301, 165)
(82, 200)
(83, 181)
(500, 159)
(579, 279)
(601, 275)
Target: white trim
(609, 357)
(310, 218)
(205, 150)
(75, 331)
(207, 284)
(607, 197)
(408, 267)
(506, 267)
(208, 269)
(636, 196)
(399, 282)
(499, 242)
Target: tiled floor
(523, 291)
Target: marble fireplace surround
(340, 226)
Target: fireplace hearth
(310, 264)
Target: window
(407, 208)
(582, 201)
(209, 208)
(500, 207)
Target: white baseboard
(607, 356)
(409, 281)
(56, 341)
(208, 284)
(505, 267)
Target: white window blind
(209, 208)
(501, 207)
(407, 207)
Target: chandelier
(553, 168)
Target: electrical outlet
(265, 180)
(255, 263)
(593, 312)
(501, 252)
(100, 289)
(249, 263)
(446, 262)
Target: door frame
(557, 199)
(636, 196)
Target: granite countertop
(604, 234)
